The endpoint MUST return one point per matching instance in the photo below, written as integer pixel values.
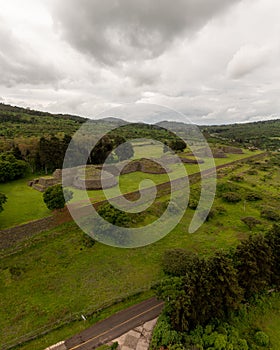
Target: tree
(3, 200)
(273, 240)
(101, 150)
(177, 145)
(55, 197)
(254, 262)
(11, 168)
(250, 221)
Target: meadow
(57, 276)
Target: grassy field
(56, 277)
(24, 204)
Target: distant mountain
(113, 120)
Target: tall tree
(254, 263)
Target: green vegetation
(49, 280)
(3, 200)
(264, 135)
(70, 278)
(221, 288)
(55, 197)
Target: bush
(250, 221)
(113, 215)
(55, 197)
(252, 172)
(193, 203)
(223, 187)
(253, 196)
(163, 335)
(237, 178)
(176, 261)
(231, 197)
(270, 214)
(220, 210)
(3, 200)
(261, 339)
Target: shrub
(252, 172)
(261, 339)
(176, 261)
(193, 203)
(253, 196)
(220, 210)
(237, 178)
(3, 200)
(163, 335)
(250, 221)
(270, 214)
(55, 197)
(231, 197)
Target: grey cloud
(19, 64)
(247, 59)
(114, 31)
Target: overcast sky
(216, 61)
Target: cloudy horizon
(215, 61)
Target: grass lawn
(24, 203)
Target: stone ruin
(90, 177)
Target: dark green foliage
(11, 168)
(231, 197)
(253, 196)
(270, 214)
(175, 262)
(209, 289)
(261, 339)
(113, 215)
(114, 346)
(164, 335)
(193, 203)
(223, 187)
(264, 134)
(101, 150)
(52, 151)
(273, 240)
(215, 337)
(177, 145)
(237, 178)
(254, 263)
(3, 200)
(250, 221)
(55, 197)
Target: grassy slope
(58, 276)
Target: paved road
(116, 325)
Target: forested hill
(262, 134)
(22, 122)
(18, 121)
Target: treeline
(200, 290)
(263, 134)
